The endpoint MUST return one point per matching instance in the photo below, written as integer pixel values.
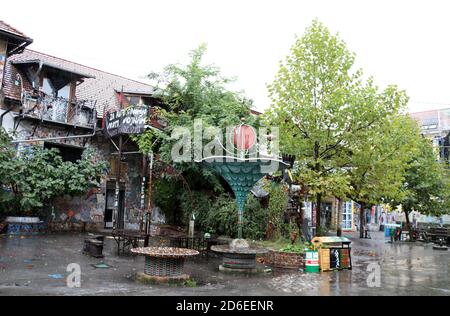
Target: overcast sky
(398, 42)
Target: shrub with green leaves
(278, 200)
(31, 180)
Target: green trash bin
(312, 261)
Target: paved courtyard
(37, 266)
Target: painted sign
(131, 120)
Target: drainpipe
(52, 138)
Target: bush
(219, 216)
(278, 200)
(31, 180)
(255, 219)
(197, 203)
(299, 248)
(166, 196)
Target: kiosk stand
(334, 253)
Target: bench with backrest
(435, 234)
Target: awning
(67, 71)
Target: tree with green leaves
(32, 179)
(425, 187)
(188, 93)
(321, 105)
(378, 161)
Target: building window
(133, 100)
(347, 216)
(49, 89)
(64, 92)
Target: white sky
(398, 42)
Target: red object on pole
(244, 137)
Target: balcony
(80, 113)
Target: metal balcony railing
(56, 109)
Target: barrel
(312, 261)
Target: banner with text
(131, 120)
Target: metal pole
(240, 222)
(51, 138)
(116, 198)
(149, 201)
(119, 158)
(143, 222)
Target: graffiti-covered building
(55, 103)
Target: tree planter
(285, 260)
(25, 226)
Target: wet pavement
(37, 266)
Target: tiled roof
(5, 27)
(102, 87)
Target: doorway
(109, 206)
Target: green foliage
(425, 187)
(322, 231)
(342, 130)
(199, 91)
(295, 248)
(379, 161)
(278, 201)
(255, 219)
(190, 92)
(167, 198)
(190, 283)
(33, 179)
(285, 245)
(219, 216)
(198, 203)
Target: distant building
(435, 125)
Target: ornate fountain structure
(241, 173)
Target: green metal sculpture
(241, 175)
(241, 172)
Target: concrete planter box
(285, 260)
(25, 226)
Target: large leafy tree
(189, 93)
(322, 105)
